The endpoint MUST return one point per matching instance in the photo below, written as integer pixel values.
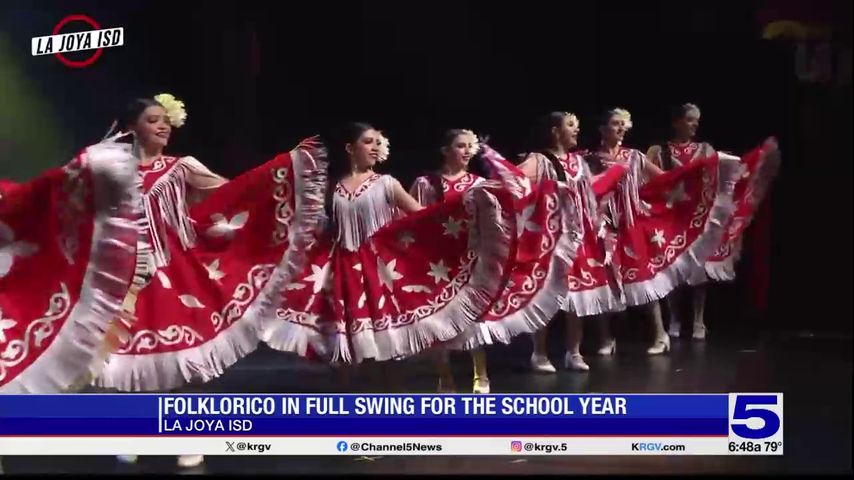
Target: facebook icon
(342, 446)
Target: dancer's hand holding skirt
(759, 167)
(67, 243)
(416, 282)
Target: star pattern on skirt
(658, 238)
(319, 277)
(439, 271)
(387, 273)
(453, 227)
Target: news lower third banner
(333, 424)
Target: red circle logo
(80, 63)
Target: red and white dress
(383, 287)
(545, 242)
(206, 273)
(423, 191)
(66, 261)
(593, 285)
(667, 226)
(758, 169)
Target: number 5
(743, 412)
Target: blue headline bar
(404, 415)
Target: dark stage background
(258, 76)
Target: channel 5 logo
(756, 416)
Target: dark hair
(593, 159)
(541, 134)
(134, 109)
(678, 112)
(339, 164)
(605, 117)
(477, 164)
(541, 139)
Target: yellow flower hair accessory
(624, 115)
(174, 109)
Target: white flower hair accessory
(384, 149)
(475, 141)
(690, 107)
(624, 115)
(174, 109)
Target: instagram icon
(516, 446)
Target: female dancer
(382, 287)
(613, 127)
(548, 235)
(668, 225)
(203, 270)
(680, 150)
(460, 170)
(758, 169)
(592, 290)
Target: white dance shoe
(574, 361)
(609, 348)
(541, 364)
(662, 345)
(480, 385)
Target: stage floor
(813, 371)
